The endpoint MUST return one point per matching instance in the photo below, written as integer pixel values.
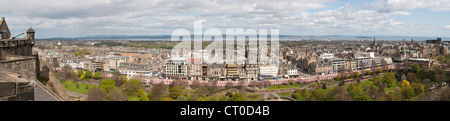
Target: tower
(374, 40)
(4, 30)
(30, 34)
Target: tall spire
(373, 39)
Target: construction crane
(18, 35)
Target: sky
(78, 18)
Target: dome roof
(30, 30)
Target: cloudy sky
(75, 18)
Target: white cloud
(433, 5)
(448, 26)
(73, 18)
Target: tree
(80, 72)
(297, 96)
(339, 94)
(318, 95)
(124, 78)
(337, 78)
(267, 84)
(117, 77)
(368, 72)
(406, 90)
(82, 76)
(411, 77)
(418, 88)
(391, 96)
(88, 74)
(96, 75)
(416, 68)
(158, 91)
(66, 72)
(141, 94)
(347, 76)
(341, 83)
(175, 91)
(355, 92)
(195, 84)
(229, 85)
(356, 74)
(389, 79)
(108, 85)
(131, 87)
(237, 97)
(193, 98)
(96, 94)
(115, 95)
(379, 70)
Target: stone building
(18, 65)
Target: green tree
(339, 94)
(407, 91)
(131, 87)
(175, 91)
(338, 78)
(96, 75)
(118, 78)
(341, 83)
(355, 92)
(356, 74)
(115, 95)
(108, 85)
(88, 74)
(141, 94)
(389, 79)
(237, 97)
(80, 72)
(82, 76)
(297, 96)
(368, 72)
(96, 94)
(124, 78)
(418, 89)
(347, 76)
(416, 68)
(318, 95)
(379, 70)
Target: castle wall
(15, 88)
(23, 64)
(15, 47)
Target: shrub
(287, 98)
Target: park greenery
(383, 85)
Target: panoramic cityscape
(324, 50)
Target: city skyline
(316, 18)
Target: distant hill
(281, 37)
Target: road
(41, 94)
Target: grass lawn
(82, 87)
(282, 86)
(253, 97)
(286, 94)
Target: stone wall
(25, 65)
(13, 87)
(21, 47)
